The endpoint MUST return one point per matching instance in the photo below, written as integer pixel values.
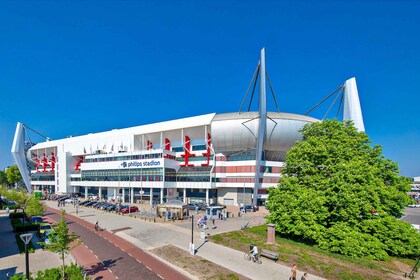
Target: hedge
(28, 227)
(16, 215)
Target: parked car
(63, 198)
(90, 203)
(112, 207)
(193, 206)
(105, 205)
(122, 206)
(201, 205)
(43, 227)
(72, 200)
(46, 236)
(217, 204)
(36, 219)
(414, 205)
(249, 208)
(130, 209)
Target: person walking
(293, 272)
(304, 277)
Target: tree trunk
(62, 256)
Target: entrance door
(228, 201)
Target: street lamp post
(243, 210)
(192, 249)
(26, 238)
(24, 216)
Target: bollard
(271, 233)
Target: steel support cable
(332, 104)
(47, 138)
(340, 106)
(322, 101)
(272, 92)
(250, 83)
(253, 89)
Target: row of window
(155, 178)
(247, 169)
(125, 157)
(39, 177)
(123, 172)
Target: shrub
(72, 271)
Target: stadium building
(229, 158)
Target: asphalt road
(120, 263)
(412, 216)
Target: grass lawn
(314, 260)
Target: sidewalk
(148, 235)
(14, 263)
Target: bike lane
(116, 255)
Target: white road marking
(160, 276)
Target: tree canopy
(3, 179)
(34, 206)
(13, 174)
(339, 192)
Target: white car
(414, 205)
(71, 200)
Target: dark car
(193, 206)
(112, 207)
(36, 219)
(249, 208)
(217, 204)
(90, 203)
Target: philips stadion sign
(126, 164)
(139, 164)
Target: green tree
(338, 191)
(3, 179)
(34, 206)
(13, 174)
(61, 241)
(19, 196)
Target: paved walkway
(12, 262)
(148, 235)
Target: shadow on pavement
(10, 270)
(196, 250)
(100, 266)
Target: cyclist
(97, 226)
(254, 252)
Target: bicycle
(248, 257)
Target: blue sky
(78, 67)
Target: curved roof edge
(273, 115)
(142, 129)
